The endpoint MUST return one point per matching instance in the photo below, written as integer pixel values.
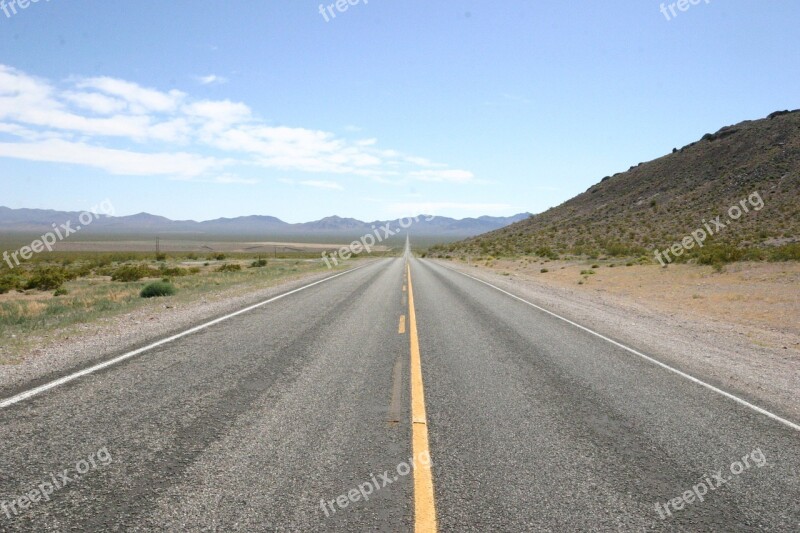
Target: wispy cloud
(126, 129)
(322, 184)
(232, 179)
(113, 161)
(211, 79)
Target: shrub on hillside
(720, 254)
(787, 252)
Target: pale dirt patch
(762, 297)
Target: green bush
(9, 282)
(133, 273)
(258, 263)
(229, 268)
(61, 291)
(47, 278)
(156, 289)
(719, 254)
(787, 252)
(174, 272)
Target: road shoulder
(75, 347)
(709, 349)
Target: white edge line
(111, 362)
(736, 399)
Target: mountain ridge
(27, 220)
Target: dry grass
(32, 313)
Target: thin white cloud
(223, 179)
(211, 79)
(322, 184)
(422, 162)
(97, 103)
(138, 98)
(232, 179)
(113, 161)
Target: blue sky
(194, 109)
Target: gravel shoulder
(59, 352)
(719, 351)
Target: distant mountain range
(38, 221)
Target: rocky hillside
(656, 204)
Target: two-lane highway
(305, 414)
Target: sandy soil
(763, 298)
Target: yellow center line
(424, 506)
(402, 328)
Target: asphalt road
(289, 416)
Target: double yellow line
(424, 505)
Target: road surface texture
(305, 414)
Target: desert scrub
(47, 278)
(229, 268)
(133, 273)
(787, 252)
(157, 289)
(10, 282)
(21, 316)
(175, 272)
